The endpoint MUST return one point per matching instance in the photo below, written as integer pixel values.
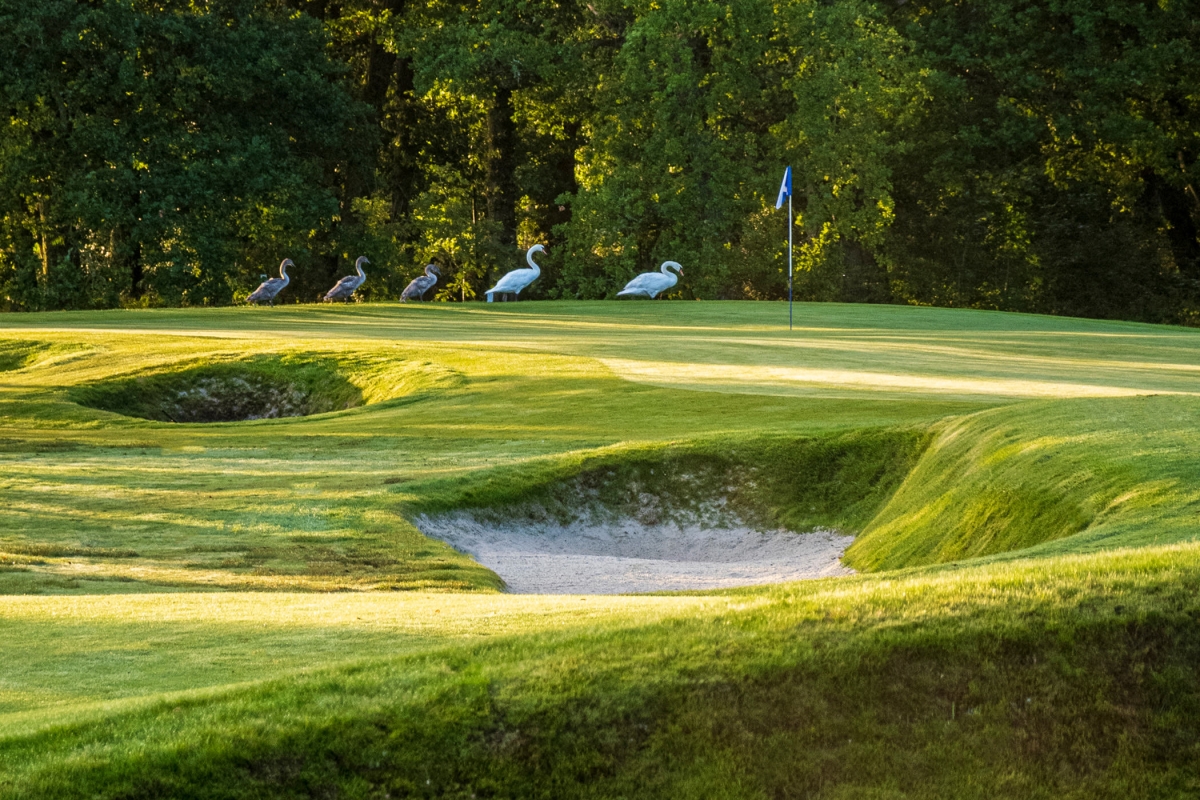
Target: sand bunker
(265, 387)
(586, 557)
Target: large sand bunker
(611, 557)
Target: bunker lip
(588, 556)
(267, 387)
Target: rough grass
(16, 354)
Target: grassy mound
(1064, 678)
(245, 389)
(1050, 477)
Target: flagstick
(790, 226)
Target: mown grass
(162, 649)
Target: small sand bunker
(266, 387)
(588, 557)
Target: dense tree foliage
(1035, 155)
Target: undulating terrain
(213, 585)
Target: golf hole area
(267, 387)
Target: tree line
(1033, 155)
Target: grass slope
(161, 647)
(1044, 478)
(1068, 677)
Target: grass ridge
(977, 683)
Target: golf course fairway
(214, 585)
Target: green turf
(1069, 677)
(1055, 477)
(998, 460)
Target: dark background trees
(1032, 155)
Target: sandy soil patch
(586, 557)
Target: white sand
(627, 556)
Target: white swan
(349, 284)
(272, 286)
(518, 279)
(649, 284)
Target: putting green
(1043, 448)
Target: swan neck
(532, 264)
(667, 268)
(283, 272)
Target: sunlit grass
(130, 646)
(974, 682)
(479, 389)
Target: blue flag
(785, 188)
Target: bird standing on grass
(349, 284)
(268, 289)
(518, 279)
(421, 284)
(649, 284)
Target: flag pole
(786, 188)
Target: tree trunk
(1182, 233)
(401, 155)
(863, 280)
(501, 167)
(44, 241)
(565, 182)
